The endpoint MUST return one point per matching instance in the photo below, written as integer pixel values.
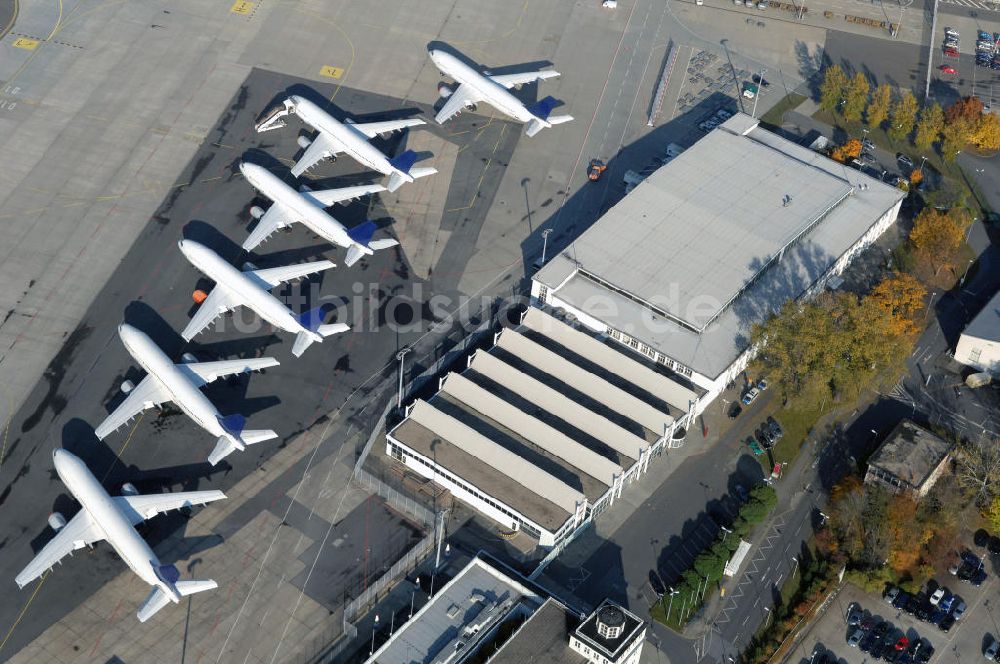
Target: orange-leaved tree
(901, 297)
(849, 150)
(937, 235)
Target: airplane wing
(373, 129)
(148, 393)
(327, 197)
(78, 533)
(323, 147)
(140, 508)
(275, 275)
(276, 218)
(456, 103)
(218, 302)
(510, 80)
(202, 373)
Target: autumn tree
(878, 108)
(969, 109)
(986, 135)
(992, 514)
(908, 536)
(955, 136)
(832, 90)
(900, 297)
(937, 235)
(849, 150)
(856, 97)
(902, 116)
(929, 127)
(916, 176)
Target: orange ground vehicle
(596, 168)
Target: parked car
(951, 31)
(926, 650)
(946, 623)
(855, 638)
(947, 602)
(904, 160)
(948, 69)
(734, 410)
(981, 538)
(923, 612)
(891, 593)
(994, 545)
(749, 396)
(951, 52)
(978, 578)
(762, 384)
(984, 35)
(936, 616)
(901, 599)
(854, 614)
(971, 558)
(937, 596)
(762, 82)
(868, 643)
(776, 431)
(902, 643)
(992, 650)
(764, 436)
(881, 629)
(958, 609)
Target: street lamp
(760, 86)
(767, 610)
(726, 531)
(545, 242)
(374, 627)
(399, 356)
(961, 281)
(929, 303)
(796, 567)
(413, 594)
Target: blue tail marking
(405, 161)
(362, 233)
(233, 424)
(542, 109)
(168, 573)
(312, 319)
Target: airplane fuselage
(183, 392)
(491, 92)
(313, 217)
(250, 292)
(117, 529)
(356, 142)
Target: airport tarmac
(121, 126)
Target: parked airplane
(179, 383)
(349, 137)
(474, 87)
(251, 288)
(113, 518)
(306, 206)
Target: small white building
(712, 243)
(486, 614)
(979, 344)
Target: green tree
(831, 92)
(955, 136)
(937, 235)
(903, 116)
(878, 108)
(929, 126)
(856, 97)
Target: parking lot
(963, 642)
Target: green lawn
(776, 115)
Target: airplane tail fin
(534, 126)
(422, 172)
(354, 254)
(156, 600)
(233, 424)
(312, 319)
(396, 180)
(362, 233)
(306, 338)
(559, 119)
(542, 108)
(405, 161)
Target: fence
(397, 499)
(360, 604)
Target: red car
(951, 52)
(945, 69)
(903, 643)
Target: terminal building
(486, 615)
(713, 242)
(544, 430)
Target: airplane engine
(248, 266)
(304, 142)
(188, 358)
(57, 521)
(445, 91)
(472, 107)
(256, 212)
(128, 489)
(127, 386)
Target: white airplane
(349, 137)
(474, 87)
(179, 383)
(306, 206)
(251, 288)
(113, 518)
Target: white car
(936, 597)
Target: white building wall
(981, 354)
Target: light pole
(961, 281)
(545, 242)
(726, 531)
(671, 604)
(929, 303)
(760, 86)
(767, 610)
(796, 567)
(413, 594)
(374, 627)
(399, 356)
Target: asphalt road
(382, 299)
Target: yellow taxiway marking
(331, 72)
(241, 7)
(26, 43)
(24, 610)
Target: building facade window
(543, 294)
